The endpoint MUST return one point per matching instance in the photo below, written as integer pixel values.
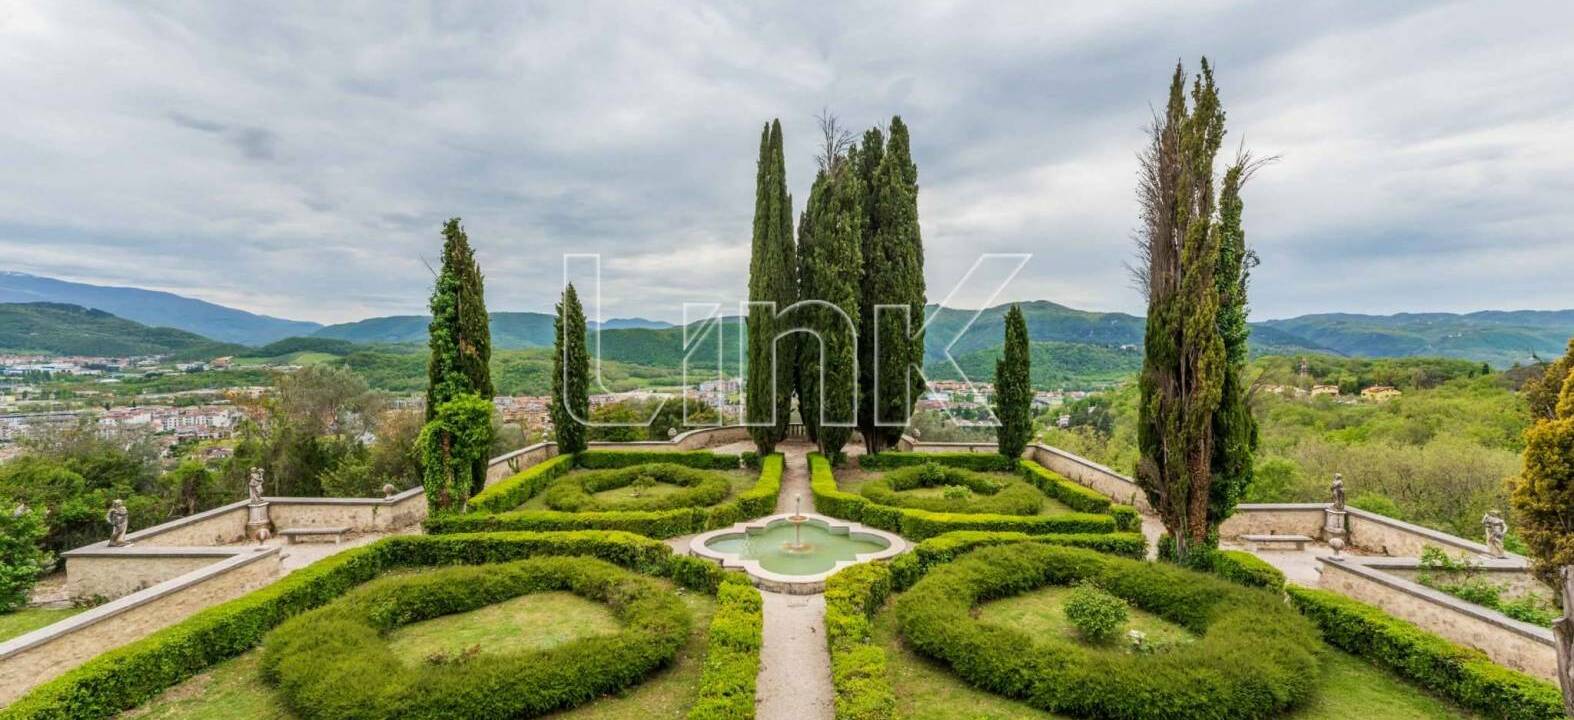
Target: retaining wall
(1368, 531)
(1118, 487)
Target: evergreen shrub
(908, 567)
(1097, 615)
(732, 660)
(858, 667)
(978, 462)
(987, 494)
(576, 492)
(701, 459)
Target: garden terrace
(921, 495)
(652, 493)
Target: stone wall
(1507, 641)
(358, 514)
(1273, 519)
(1368, 531)
(46, 653)
(1118, 487)
(507, 464)
(115, 572)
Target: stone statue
(1338, 492)
(1496, 528)
(389, 491)
(117, 517)
(254, 486)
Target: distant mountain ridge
(62, 329)
(510, 330)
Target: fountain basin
(766, 549)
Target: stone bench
(1256, 542)
(293, 534)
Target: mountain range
(155, 322)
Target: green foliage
(1462, 578)
(1013, 389)
(732, 657)
(702, 459)
(334, 662)
(1097, 615)
(570, 375)
(511, 492)
(1543, 495)
(858, 666)
(1255, 658)
(63, 329)
(980, 462)
(459, 336)
(575, 493)
(1461, 674)
(906, 569)
(998, 496)
(1052, 364)
(73, 475)
(21, 559)
(1247, 569)
(772, 282)
(130, 675)
(458, 436)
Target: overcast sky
(298, 161)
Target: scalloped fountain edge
(794, 584)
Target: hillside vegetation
(71, 330)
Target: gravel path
(795, 666)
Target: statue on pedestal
(259, 524)
(254, 486)
(1337, 489)
(1495, 528)
(117, 517)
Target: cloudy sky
(298, 161)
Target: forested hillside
(72, 330)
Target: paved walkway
(795, 665)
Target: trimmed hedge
(134, 673)
(759, 500)
(995, 496)
(907, 568)
(1461, 674)
(700, 488)
(334, 663)
(1079, 497)
(858, 667)
(701, 459)
(922, 524)
(980, 462)
(1254, 658)
(1247, 569)
(732, 660)
(513, 491)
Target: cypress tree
(459, 336)
(1184, 363)
(830, 255)
(1234, 428)
(772, 267)
(1013, 388)
(865, 161)
(570, 375)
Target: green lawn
(926, 690)
(742, 481)
(852, 479)
(1042, 613)
(234, 690)
(27, 620)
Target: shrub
(1255, 658)
(907, 568)
(512, 492)
(858, 668)
(1055, 485)
(21, 560)
(701, 459)
(732, 658)
(334, 661)
(979, 462)
(133, 673)
(1247, 569)
(575, 492)
(1097, 615)
(998, 497)
(1461, 674)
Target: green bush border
(1463, 675)
(732, 659)
(134, 673)
(1255, 657)
(699, 459)
(907, 568)
(335, 661)
(696, 488)
(1079, 497)
(513, 491)
(994, 497)
(921, 524)
(757, 501)
(1247, 569)
(978, 462)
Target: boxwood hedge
(858, 668)
(757, 501)
(1255, 657)
(130, 675)
(700, 488)
(1464, 675)
(1247, 569)
(991, 495)
(908, 567)
(702, 459)
(923, 524)
(1079, 497)
(335, 663)
(981, 462)
(732, 660)
(513, 491)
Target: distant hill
(1501, 338)
(510, 330)
(74, 330)
(155, 309)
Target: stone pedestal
(1335, 525)
(257, 519)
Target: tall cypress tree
(865, 160)
(459, 336)
(772, 267)
(570, 375)
(1234, 428)
(1014, 388)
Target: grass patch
(926, 690)
(528, 622)
(740, 481)
(852, 480)
(27, 620)
(1042, 612)
(235, 691)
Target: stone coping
(1083, 461)
(108, 610)
(1436, 535)
(794, 584)
(157, 551)
(1368, 572)
(1512, 563)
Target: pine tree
(1013, 388)
(459, 335)
(1185, 362)
(570, 375)
(772, 353)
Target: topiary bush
(1097, 615)
(576, 492)
(908, 567)
(1255, 657)
(999, 497)
(732, 658)
(858, 668)
(335, 663)
(1247, 569)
